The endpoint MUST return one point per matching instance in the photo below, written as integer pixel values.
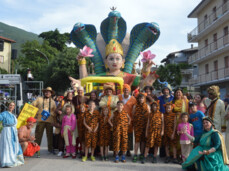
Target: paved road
(53, 163)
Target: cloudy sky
(44, 15)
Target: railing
(217, 75)
(207, 50)
(220, 11)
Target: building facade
(5, 53)
(211, 34)
(181, 57)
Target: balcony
(208, 52)
(186, 71)
(218, 76)
(215, 18)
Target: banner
(27, 111)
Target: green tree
(34, 57)
(56, 39)
(170, 73)
(64, 65)
(3, 71)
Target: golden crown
(114, 47)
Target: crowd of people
(171, 124)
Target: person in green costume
(211, 153)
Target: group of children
(152, 129)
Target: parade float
(113, 52)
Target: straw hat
(48, 89)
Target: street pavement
(50, 162)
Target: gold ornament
(123, 65)
(106, 66)
(114, 47)
(82, 62)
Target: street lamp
(43, 55)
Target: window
(215, 65)
(1, 45)
(226, 61)
(215, 41)
(225, 38)
(206, 42)
(225, 6)
(214, 13)
(1, 59)
(205, 20)
(206, 69)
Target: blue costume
(196, 120)
(10, 150)
(163, 101)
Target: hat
(191, 103)
(126, 86)
(165, 85)
(214, 90)
(114, 47)
(31, 119)
(49, 89)
(108, 86)
(207, 118)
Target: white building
(211, 34)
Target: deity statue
(115, 62)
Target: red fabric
(31, 149)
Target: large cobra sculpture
(85, 34)
(142, 37)
(113, 27)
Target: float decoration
(113, 32)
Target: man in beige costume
(48, 104)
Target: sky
(39, 16)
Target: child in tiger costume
(121, 121)
(140, 117)
(104, 132)
(154, 130)
(91, 123)
(170, 137)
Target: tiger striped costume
(169, 119)
(140, 121)
(154, 137)
(91, 120)
(120, 131)
(104, 130)
(81, 127)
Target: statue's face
(114, 61)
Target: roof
(7, 40)
(198, 8)
(184, 50)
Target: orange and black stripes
(91, 120)
(120, 131)
(104, 130)
(140, 121)
(169, 119)
(154, 137)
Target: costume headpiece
(114, 47)
(168, 103)
(157, 103)
(31, 119)
(126, 86)
(209, 119)
(108, 86)
(214, 90)
(165, 85)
